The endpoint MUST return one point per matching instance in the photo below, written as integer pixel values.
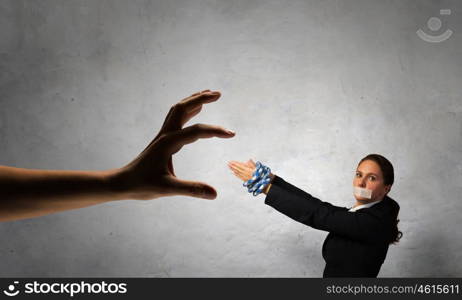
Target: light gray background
(310, 87)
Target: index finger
(194, 101)
(187, 108)
(175, 141)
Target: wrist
(116, 184)
(268, 186)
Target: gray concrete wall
(310, 87)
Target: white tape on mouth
(363, 193)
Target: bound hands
(244, 171)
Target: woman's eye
(358, 175)
(372, 178)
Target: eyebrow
(368, 173)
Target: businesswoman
(358, 238)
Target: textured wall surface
(310, 87)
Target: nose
(362, 183)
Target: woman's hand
(244, 171)
(241, 170)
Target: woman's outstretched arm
(367, 225)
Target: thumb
(192, 188)
(252, 162)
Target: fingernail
(230, 131)
(208, 196)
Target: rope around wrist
(260, 178)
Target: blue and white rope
(260, 178)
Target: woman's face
(369, 176)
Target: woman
(358, 238)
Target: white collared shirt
(353, 209)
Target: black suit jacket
(357, 242)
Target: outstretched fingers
(240, 175)
(183, 111)
(198, 93)
(241, 170)
(242, 167)
(175, 141)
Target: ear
(387, 189)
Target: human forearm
(369, 224)
(26, 193)
(293, 202)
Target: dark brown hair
(388, 178)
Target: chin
(364, 200)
